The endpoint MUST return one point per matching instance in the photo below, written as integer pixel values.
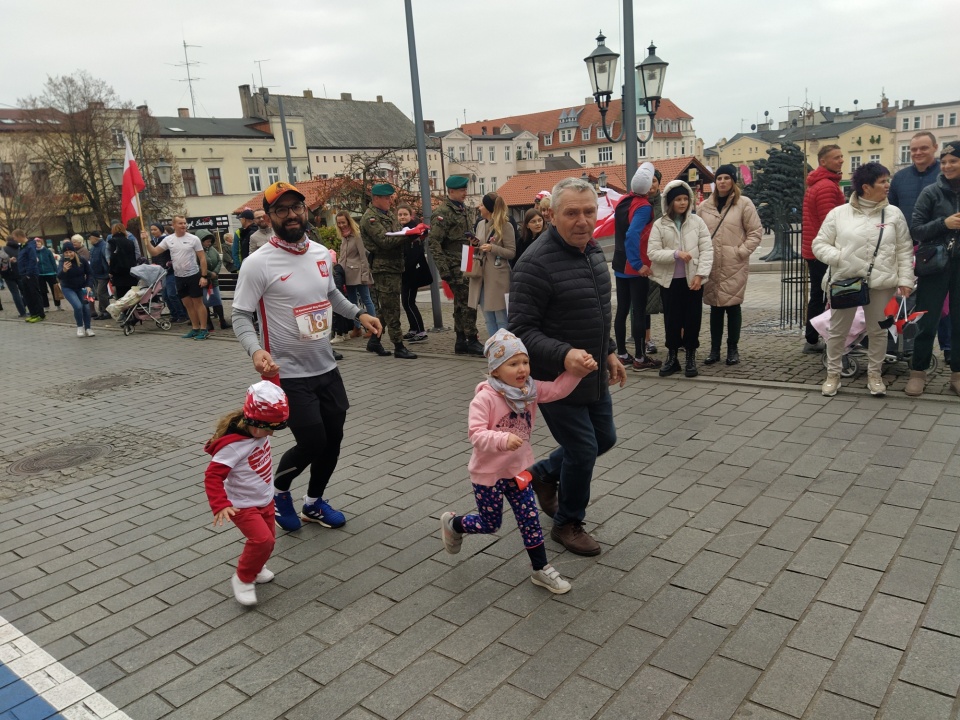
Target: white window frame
(493, 184)
(291, 139)
(295, 177)
(641, 124)
(916, 123)
(642, 150)
(855, 162)
(506, 153)
(548, 139)
(953, 119)
(905, 155)
(586, 132)
(905, 124)
(605, 150)
(583, 156)
(566, 135)
(462, 151)
(940, 120)
(493, 153)
(482, 186)
(273, 174)
(875, 157)
(479, 153)
(253, 175)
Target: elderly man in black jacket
(560, 308)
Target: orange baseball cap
(275, 191)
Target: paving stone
(344, 654)
(471, 638)
(827, 706)
(841, 526)
(761, 564)
(473, 683)
(620, 657)
(791, 682)
(577, 698)
(910, 579)
(927, 544)
(824, 630)
(207, 675)
(407, 688)
(546, 671)
(941, 514)
(690, 648)
(749, 711)
(933, 662)
(664, 613)
(864, 671)
(736, 539)
(718, 690)
(758, 639)
(817, 558)
(341, 694)
(648, 695)
(850, 587)
(909, 702)
(703, 572)
(726, 605)
(871, 550)
(788, 533)
(890, 621)
(683, 545)
(944, 611)
(790, 594)
(763, 511)
(892, 520)
(261, 674)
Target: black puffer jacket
(560, 301)
(935, 204)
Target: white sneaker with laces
(830, 386)
(80, 332)
(452, 540)
(550, 579)
(875, 385)
(264, 576)
(245, 593)
(89, 332)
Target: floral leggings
(490, 511)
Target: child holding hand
(239, 481)
(501, 419)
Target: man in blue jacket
(100, 271)
(29, 269)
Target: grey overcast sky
(729, 61)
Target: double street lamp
(163, 169)
(602, 70)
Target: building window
(463, 153)
(506, 153)
(7, 186)
(189, 183)
(254, 174)
(483, 186)
(324, 176)
(904, 154)
(493, 153)
(493, 184)
(433, 179)
(294, 178)
(953, 119)
(940, 120)
(854, 162)
(273, 175)
(642, 150)
(479, 153)
(675, 148)
(450, 154)
(548, 139)
(566, 135)
(875, 158)
(916, 123)
(117, 138)
(906, 124)
(583, 157)
(290, 140)
(683, 148)
(566, 153)
(216, 182)
(605, 153)
(585, 133)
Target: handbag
(57, 292)
(931, 259)
(855, 292)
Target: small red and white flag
(466, 258)
(132, 185)
(418, 230)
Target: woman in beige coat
(498, 245)
(353, 260)
(736, 231)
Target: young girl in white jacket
(681, 253)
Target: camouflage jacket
(448, 229)
(387, 250)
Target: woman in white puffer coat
(846, 242)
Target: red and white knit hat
(266, 405)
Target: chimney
(143, 111)
(429, 127)
(589, 101)
(483, 130)
(380, 98)
(828, 109)
(94, 105)
(246, 101)
(308, 94)
(183, 112)
(346, 96)
(884, 104)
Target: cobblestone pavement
(767, 553)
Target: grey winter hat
(642, 179)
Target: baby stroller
(144, 302)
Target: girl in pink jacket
(500, 424)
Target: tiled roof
(171, 127)
(520, 190)
(18, 119)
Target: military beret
(457, 182)
(382, 190)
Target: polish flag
(132, 184)
(466, 259)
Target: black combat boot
(400, 351)
(713, 357)
(733, 357)
(461, 346)
(691, 368)
(671, 366)
(474, 346)
(374, 346)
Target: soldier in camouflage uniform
(448, 234)
(387, 267)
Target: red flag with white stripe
(132, 184)
(466, 259)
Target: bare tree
(27, 198)
(368, 168)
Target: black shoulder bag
(854, 292)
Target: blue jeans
(177, 310)
(363, 291)
(81, 308)
(14, 287)
(495, 319)
(584, 432)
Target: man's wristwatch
(359, 313)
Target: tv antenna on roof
(259, 64)
(190, 79)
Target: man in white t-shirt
(289, 283)
(190, 269)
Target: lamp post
(651, 72)
(265, 94)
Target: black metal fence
(794, 281)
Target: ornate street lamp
(115, 171)
(164, 172)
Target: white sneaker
(80, 332)
(875, 385)
(336, 339)
(831, 385)
(245, 593)
(550, 579)
(89, 332)
(452, 540)
(264, 576)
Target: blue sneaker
(320, 512)
(284, 513)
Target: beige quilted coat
(738, 236)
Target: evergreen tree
(777, 191)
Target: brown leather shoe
(546, 494)
(356, 332)
(955, 382)
(575, 539)
(916, 383)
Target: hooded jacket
(935, 204)
(217, 482)
(736, 232)
(98, 260)
(27, 264)
(666, 240)
(823, 195)
(559, 301)
(848, 238)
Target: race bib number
(313, 320)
